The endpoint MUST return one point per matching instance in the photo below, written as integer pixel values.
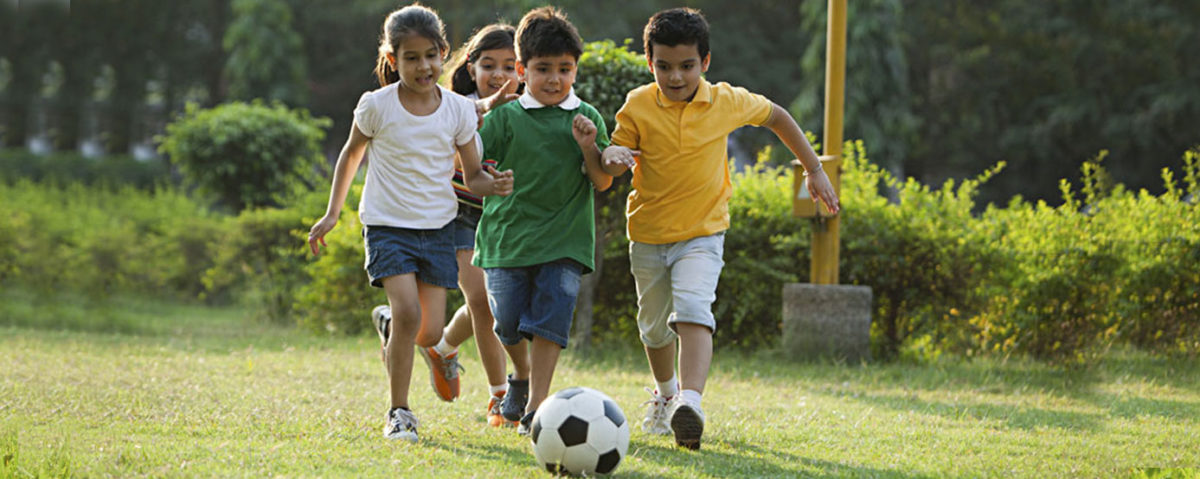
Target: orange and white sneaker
(443, 372)
(495, 419)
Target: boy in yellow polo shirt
(672, 133)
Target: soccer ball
(580, 431)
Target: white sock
(445, 349)
(691, 396)
(669, 388)
(498, 389)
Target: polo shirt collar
(572, 102)
(703, 95)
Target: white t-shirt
(411, 159)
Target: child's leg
(556, 287)
(404, 299)
(695, 355)
(695, 269)
(543, 353)
(491, 354)
(652, 276)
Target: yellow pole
(825, 247)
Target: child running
(484, 70)
(673, 134)
(537, 242)
(411, 128)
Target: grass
(136, 388)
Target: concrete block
(827, 321)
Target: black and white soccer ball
(579, 431)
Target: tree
(266, 57)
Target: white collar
(572, 102)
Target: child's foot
(526, 423)
(401, 424)
(513, 406)
(495, 419)
(656, 421)
(381, 316)
(443, 372)
(687, 422)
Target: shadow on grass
(1015, 417)
(751, 461)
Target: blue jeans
(536, 300)
(394, 251)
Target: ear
(650, 63)
(521, 71)
(704, 63)
(391, 59)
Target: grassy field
(135, 388)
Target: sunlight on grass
(192, 391)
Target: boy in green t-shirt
(536, 243)
(678, 209)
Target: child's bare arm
(483, 183)
(585, 132)
(819, 186)
(343, 174)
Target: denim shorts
(464, 227)
(534, 300)
(428, 253)
(676, 283)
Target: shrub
(261, 261)
(98, 240)
(247, 155)
(63, 168)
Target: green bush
(98, 241)
(261, 261)
(338, 296)
(62, 168)
(247, 155)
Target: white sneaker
(401, 424)
(380, 317)
(687, 422)
(656, 414)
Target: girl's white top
(411, 159)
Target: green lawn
(138, 388)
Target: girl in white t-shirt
(411, 128)
(484, 70)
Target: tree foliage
(266, 59)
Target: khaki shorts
(676, 283)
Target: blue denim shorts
(676, 283)
(464, 227)
(534, 300)
(393, 251)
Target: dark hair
(415, 19)
(546, 32)
(491, 37)
(674, 27)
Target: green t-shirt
(549, 214)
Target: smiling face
(677, 70)
(549, 78)
(492, 69)
(419, 63)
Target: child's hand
(318, 231)
(620, 156)
(504, 95)
(819, 188)
(584, 131)
(502, 181)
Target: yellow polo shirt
(681, 184)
